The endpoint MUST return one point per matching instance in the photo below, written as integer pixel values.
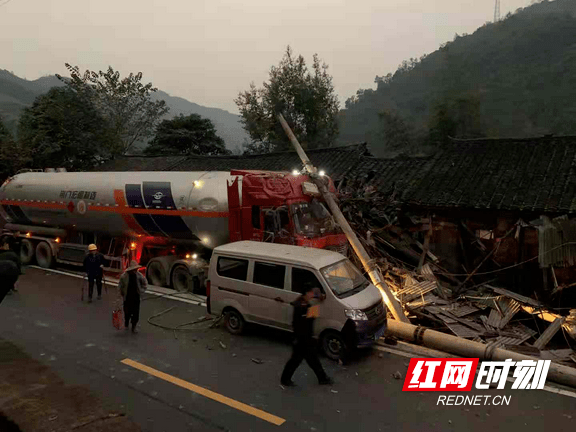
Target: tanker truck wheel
(44, 256)
(27, 250)
(180, 279)
(156, 274)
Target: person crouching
(132, 285)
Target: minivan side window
(302, 279)
(232, 268)
(271, 275)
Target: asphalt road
(207, 380)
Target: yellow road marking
(206, 393)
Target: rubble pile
(433, 297)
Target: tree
(394, 131)
(12, 158)
(456, 118)
(63, 129)
(305, 98)
(189, 134)
(125, 103)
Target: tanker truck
(167, 221)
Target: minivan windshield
(344, 278)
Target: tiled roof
(334, 160)
(536, 174)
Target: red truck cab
(279, 207)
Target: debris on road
(222, 345)
(257, 360)
(397, 375)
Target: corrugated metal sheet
(515, 296)
(461, 309)
(462, 331)
(427, 273)
(557, 242)
(499, 320)
(520, 335)
(413, 291)
(494, 318)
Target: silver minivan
(255, 282)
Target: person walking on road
(6, 254)
(304, 344)
(131, 286)
(93, 265)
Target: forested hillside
(513, 78)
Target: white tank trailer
(181, 206)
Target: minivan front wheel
(333, 345)
(234, 322)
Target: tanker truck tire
(27, 252)
(44, 256)
(180, 278)
(156, 274)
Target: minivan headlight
(356, 315)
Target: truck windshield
(312, 219)
(344, 279)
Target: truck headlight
(356, 315)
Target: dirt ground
(34, 398)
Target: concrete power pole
(497, 11)
(369, 264)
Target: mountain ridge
(516, 78)
(18, 93)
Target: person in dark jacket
(304, 345)
(93, 265)
(9, 255)
(15, 243)
(131, 286)
(9, 273)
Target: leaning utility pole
(369, 264)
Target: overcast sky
(208, 51)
